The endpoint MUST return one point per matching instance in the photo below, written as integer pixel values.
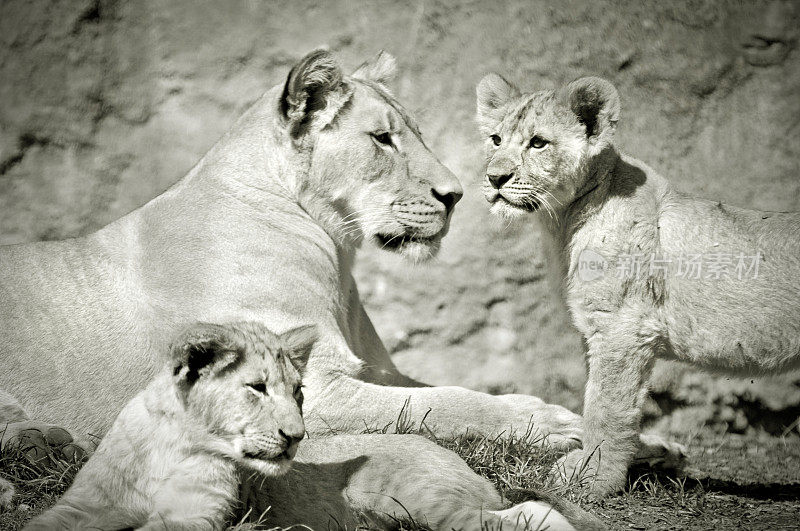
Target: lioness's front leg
(615, 393)
(349, 405)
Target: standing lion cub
(649, 272)
(230, 396)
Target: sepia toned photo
(423, 265)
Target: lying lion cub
(231, 395)
(650, 272)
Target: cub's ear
(308, 88)
(381, 69)
(202, 349)
(595, 102)
(494, 92)
(297, 344)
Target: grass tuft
(39, 477)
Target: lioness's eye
(258, 387)
(496, 140)
(382, 138)
(538, 142)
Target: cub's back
(733, 288)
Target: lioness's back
(57, 298)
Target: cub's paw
(554, 426)
(602, 479)
(6, 494)
(657, 452)
(575, 468)
(41, 441)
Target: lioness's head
(540, 147)
(370, 175)
(241, 384)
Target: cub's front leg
(201, 499)
(619, 368)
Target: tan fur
(170, 459)
(607, 208)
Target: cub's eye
(538, 142)
(258, 387)
(496, 140)
(382, 138)
(298, 395)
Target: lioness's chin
(507, 210)
(413, 248)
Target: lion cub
(649, 272)
(231, 396)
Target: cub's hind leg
(376, 480)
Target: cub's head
(241, 384)
(541, 147)
(370, 175)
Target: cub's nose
(448, 195)
(292, 436)
(499, 180)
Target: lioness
(230, 395)
(265, 227)
(649, 271)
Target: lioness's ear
(494, 92)
(595, 102)
(307, 89)
(381, 69)
(201, 349)
(297, 344)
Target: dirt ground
(103, 104)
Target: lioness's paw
(6, 494)
(40, 441)
(655, 451)
(549, 424)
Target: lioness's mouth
(396, 241)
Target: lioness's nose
(499, 180)
(448, 194)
